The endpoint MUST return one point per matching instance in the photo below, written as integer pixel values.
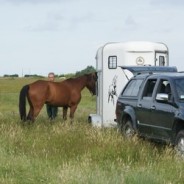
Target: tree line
(88, 69)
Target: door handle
(139, 105)
(153, 107)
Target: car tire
(179, 143)
(127, 129)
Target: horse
(66, 94)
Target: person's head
(51, 76)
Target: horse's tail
(22, 102)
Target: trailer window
(161, 61)
(112, 62)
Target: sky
(62, 36)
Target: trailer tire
(89, 120)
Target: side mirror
(162, 97)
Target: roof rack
(149, 69)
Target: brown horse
(61, 94)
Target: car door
(162, 112)
(144, 105)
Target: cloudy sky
(38, 36)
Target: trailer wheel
(127, 129)
(179, 143)
(89, 120)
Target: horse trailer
(111, 78)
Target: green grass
(58, 152)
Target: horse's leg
(30, 114)
(31, 111)
(37, 109)
(34, 110)
(65, 109)
(72, 111)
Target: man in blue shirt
(51, 110)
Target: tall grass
(58, 152)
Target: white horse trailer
(111, 78)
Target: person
(51, 110)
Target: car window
(164, 87)
(148, 91)
(163, 93)
(132, 88)
(179, 83)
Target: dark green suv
(152, 105)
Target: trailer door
(161, 59)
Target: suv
(152, 105)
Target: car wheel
(180, 142)
(127, 129)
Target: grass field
(57, 152)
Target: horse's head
(91, 82)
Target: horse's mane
(83, 79)
(76, 78)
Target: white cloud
(130, 21)
(49, 22)
(167, 2)
(17, 2)
(67, 33)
